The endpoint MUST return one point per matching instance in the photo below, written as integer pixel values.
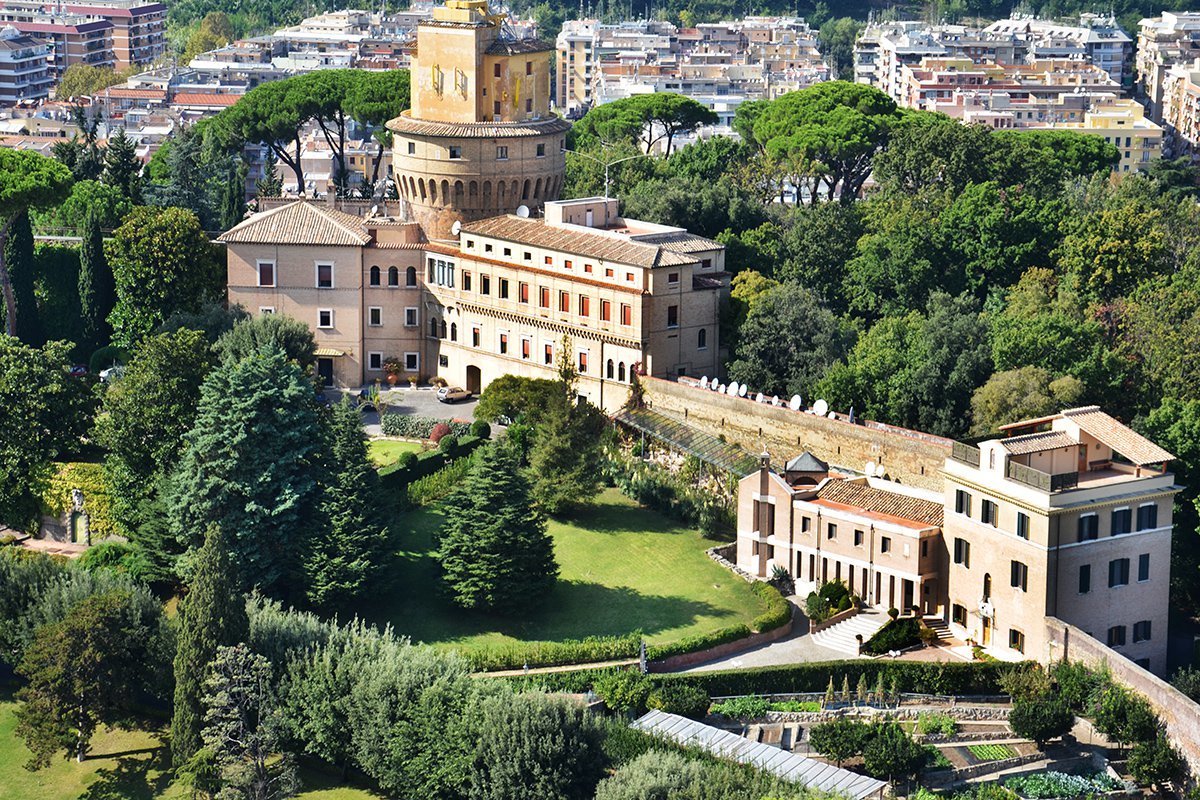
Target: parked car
(452, 394)
(78, 371)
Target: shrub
(929, 722)
(778, 612)
(106, 357)
(701, 641)
(1155, 761)
(831, 598)
(839, 739)
(410, 426)
(891, 753)
(656, 487)
(406, 460)
(687, 701)
(481, 428)
(894, 635)
(1046, 785)
(448, 444)
(625, 690)
(1040, 720)
(893, 612)
(935, 759)
(438, 431)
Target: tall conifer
(18, 256)
(122, 167)
(97, 289)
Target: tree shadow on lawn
(130, 778)
(572, 610)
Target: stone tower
(479, 140)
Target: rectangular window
(831, 531)
(564, 302)
(629, 277)
(374, 361)
(958, 615)
(585, 305)
(962, 502)
(528, 67)
(487, 247)
(1089, 527)
(485, 284)
(1147, 517)
(1022, 525)
(266, 273)
(503, 344)
(567, 264)
(324, 276)
(523, 293)
(1116, 636)
(375, 316)
(626, 314)
(987, 512)
(858, 538)
(1121, 519)
(529, 110)
(583, 361)
(266, 309)
(1143, 567)
(805, 524)
(412, 148)
(962, 552)
(706, 263)
(527, 255)
(1016, 640)
(504, 288)
(508, 252)
(608, 273)
(1085, 578)
(526, 348)
(672, 316)
(541, 150)
(543, 297)
(606, 310)
(549, 261)
(587, 268)
(412, 362)
(410, 317)
(548, 354)
(502, 152)
(325, 318)
(466, 278)
(1118, 572)
(475, 336)
(455, 151)
(496, 70)
(1141, 631)
(672, 279)
(1019, 575)
(885, 544)
(496, 105)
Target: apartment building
(1066, 516)
(1122, 123)
(24, 67)
(139, 34)
(1163, 42)
(74, 38)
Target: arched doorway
(474, 379)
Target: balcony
(1041, 480)
(965, 454)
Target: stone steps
(843, 636)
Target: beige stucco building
(1067, 516)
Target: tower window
(541, 151)
(412, 148)
(528, 67)
(455, 151)
(502, 152)
(496, 70)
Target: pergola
(687, 439)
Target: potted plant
(392, 367)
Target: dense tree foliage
(276, 331)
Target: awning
(328, 352)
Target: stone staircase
(842, 636)
(938, 626)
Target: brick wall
(1179, 714)
(909, 457)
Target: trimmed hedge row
(896, 634)
(779, 610)
(778, 613)
(414, 427)
(396, 477)
(553, 654)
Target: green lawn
(123, 765)
(622, 568)
(386, 451)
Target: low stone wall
(725, 555)
(1179, 713)
(686, 660)
(841, 616)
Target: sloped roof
(807, 772)
(407, 124)
(1037, 442)
(618, 248)
(1132, 445)
(299, 223)
(681, 241)
(879, 501)
(512, 47)
(806, 462)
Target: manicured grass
(991, 752)
(123, 765)
(387, 451)
(622, 568)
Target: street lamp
(607, 164)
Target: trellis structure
(680, 436)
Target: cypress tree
(18, 255)
(122, 167)
(212, 615)
(97, 289)
(493, 549)
(341, 564)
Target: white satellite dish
(742, 390)
(794, 405)
(721, 388)
(832, 415)
(820, 408)
(704, 382)
(731, 388)
(759, 398)
(456, 227)
(869, 469)
(713, 385)
(775, 400)
(523, 211)
(374, 210)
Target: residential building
(1066, 516)
(24, 67)
(1096, 39)
(74, 38)
(1181, 108)
(139, 34)
(1163, 42)
(1123, 123)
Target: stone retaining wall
(686, 660)
(962, 713)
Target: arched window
(621, 372)
(410, 277)
(987, 586)
(374, 276)
(702, 339)
(446, 192)
(433, 326)
(525, 190)
(393, 276)
(537, 189)
(454, 331)
(442, 330)
(608, 371)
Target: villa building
(1067, 516)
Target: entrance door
(325, 370)
(907, 595)
(474, 380)
(987, 631)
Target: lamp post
(607, 164)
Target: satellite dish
(820, 408)
(832, 415)
(375, 210)
(742, 390)
(731, 388)
(456, 227)
(775, 400)
(869, 469)
(760, 398)
(794, 405)
(713, 385)
(523, 211)
(721, 388)
(704, 382)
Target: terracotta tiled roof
(133, 94)
(882, 502)
(205, 99)
(1134, 446)
(299, 223)
(1037, 442)
(682, 242)
(617, 248)
(488, 130)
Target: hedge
(97, 502)
(397, 477)
(896, 634)
(414, 427)
(779, 610)
(553, 654)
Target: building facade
(1164, 42)
(1066, 516)
(24, 67)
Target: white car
(455, 394)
